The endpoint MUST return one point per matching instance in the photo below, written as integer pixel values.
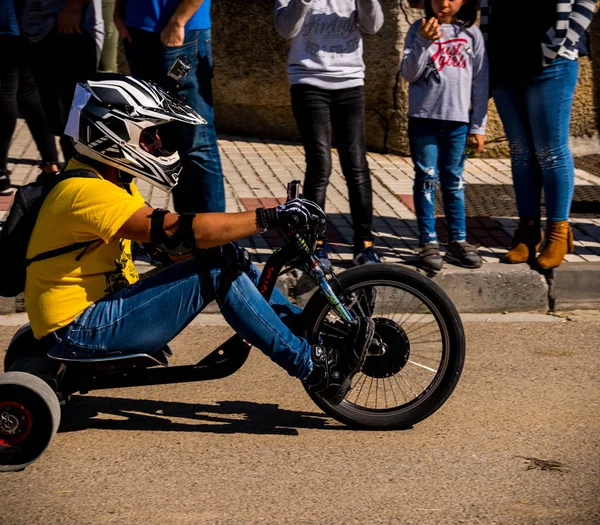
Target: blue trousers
(437, 148)
(536, 118)
(200, 187)
(144, 317)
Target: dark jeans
(437, 148)
(58, 62)
(317, 112)
(536, 118)
(19, 96)
(200, 187)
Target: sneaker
(463, 253)
(4, 180)
(333, 369)
(366, 256)
(321, 253)
(430, 257)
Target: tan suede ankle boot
(559, 242)
(526, 241)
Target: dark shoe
(334, 368)
(4, 180)
(430, 257)
(366, 256)
(559, 242)
(526, 241)
(463, 253)
(322, 254)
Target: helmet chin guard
(111, 119)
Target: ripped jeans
(536, 119)
(437, 148)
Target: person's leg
(9, 85)
(424, 150)
(144, 317)
(200, 188)
(348, 123)
(518, 126)
(311, 108)
(451, 164)
(108, 60)
(550, 98)
(32, 110)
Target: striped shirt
(564, 38)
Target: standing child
(327, 71)
(446, 64)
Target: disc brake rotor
(389, 351)
(15, 423)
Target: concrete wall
(252, 91)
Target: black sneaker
(333, 369)
(4, 180)
(366, 256)
(463, 253)
(430, 257)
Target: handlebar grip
(293, 190)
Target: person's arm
(290, 15)
(567, 32)
(370, 16)
(174, 32)
(479, 91)
(210, 229)
(69, 19)
(416, 50)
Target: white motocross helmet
(115, 120)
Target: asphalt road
(253, 448)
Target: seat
(123, 361)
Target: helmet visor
(151, 142)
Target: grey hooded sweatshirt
(449, 77)
(327, 46)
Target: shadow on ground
(223, 417)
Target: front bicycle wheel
(418, 352)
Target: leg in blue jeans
(536, 119)
(142, 318)
(200, 187)
(424, 150)
(451, 164)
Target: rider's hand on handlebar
(295, 214)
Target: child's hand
(430, 29)
(477, 142)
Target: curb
(494, 288)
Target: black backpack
(18, 227)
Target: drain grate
(498, 200)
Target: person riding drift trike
(95, 324)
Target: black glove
(294, 214)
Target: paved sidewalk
(257, 172)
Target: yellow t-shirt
(58, 289)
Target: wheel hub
(15, 423)
(389, 351)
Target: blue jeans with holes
(536, 119)
(144, 317)
(200, 187)
(437, 148)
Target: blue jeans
(536, 118)
(437, 148)
(144, 317)
(200, 187)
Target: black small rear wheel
(417, 354)
(29, 419)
